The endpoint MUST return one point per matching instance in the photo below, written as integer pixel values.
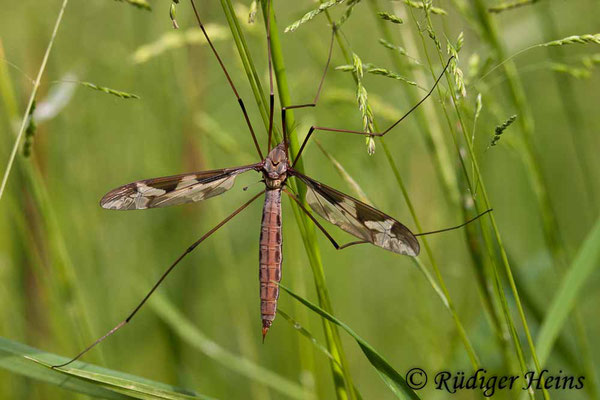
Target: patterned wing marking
(173, 190)
(359, 219)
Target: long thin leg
(271, 91)
(157, 284)
(318, 224)
(457, 226)
(325, 129)
(316, 99)
(239, 99)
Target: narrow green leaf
(393, 379)
(86, 378)
(586, 260)
(362, 196)
(188, 332)
(296, 325)
(299, 328)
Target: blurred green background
(70, 270)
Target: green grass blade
(87, 378)
(36, 85)
(304, 332)
(392, 378)
(585, 262)
(188, 332)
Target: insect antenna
(457, 226)
(231, 84)
(160, 280)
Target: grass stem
(36, 85)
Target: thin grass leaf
(189, 333)
(107, 90)
(300, 329)
(221, 136)
(419, 5)
(362, 196)
(394, 380)
(36, 86)
(312, 14)
(86, 378)
(584, 264)
(386, 16)
(142, 4)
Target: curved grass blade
(87, 378)
(585, 262)
(296, 325)
(390, 376)
(304, 332)
(36, 85)
(188, 332)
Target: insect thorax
(275, 167)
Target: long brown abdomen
(270, 258)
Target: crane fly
(361, 220)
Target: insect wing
(358, 218)
(172, 190)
